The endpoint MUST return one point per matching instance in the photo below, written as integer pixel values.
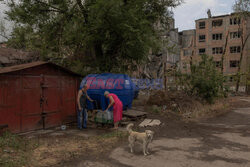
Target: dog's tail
(129, 127)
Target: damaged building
(215, 36)
(11, 56)
(168, 57)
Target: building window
(235, 21)
(234, 63)
(202, 38)
(184, 65)
(234, 35)
(217, 50)
(202, 51)
(217, 36)
(217, 63)
(235, 49)
(202, 25)
(217, 23)
(187, 52)
(231, 79)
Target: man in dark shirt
(82, 107)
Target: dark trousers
(82, 117)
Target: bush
(205, 80)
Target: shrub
(205, 80)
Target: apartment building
(214, 36)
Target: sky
(3, 8)
(191, 10)
(185, 14)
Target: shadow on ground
(221, 141)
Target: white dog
(145, 138)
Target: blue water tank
(119, 84)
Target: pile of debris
(174, 101)
(150, 122)
(11, 56)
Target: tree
(204, 80)
(242, 9)
(3, 33)
(223, 54)
(242, 6)
(243, 44)
(100, 34)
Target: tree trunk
(243, 43)
(223, 54)
(83, 10)
(238, 73)
(165, 75)
(192, 54)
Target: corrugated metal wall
(36, 98)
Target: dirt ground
(221, 141)
(220, 137)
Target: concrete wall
(187, 43)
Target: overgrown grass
(17, 151)
(118, 134)
(152, 109)
(11, 161)
(12, 141)
(14, 150)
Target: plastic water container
(99, 116)
(119, 84)
(109, 115)
(105, 117)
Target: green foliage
(156, 109)
(205, 80)
(10, 140)
(3, 31)
(100, 34)
(11, 144)
(242, 6)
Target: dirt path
(221, 141)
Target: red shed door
(69, 99)
(10, 105)
(51, 110)
(31, 103)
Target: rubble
(174, 101)
(145, 122)
(11, 56)
(150, 122)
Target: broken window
(234, 35)
(217, 36)
(202, 51)
(235, 21)
(235, 49)
(202, 25)
(234, 63)
(217, 23)
(187, 52)
(217, 50)
(231, 79)
(217, 63)
(202, 38)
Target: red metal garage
(37, 95)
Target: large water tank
(119, 84)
